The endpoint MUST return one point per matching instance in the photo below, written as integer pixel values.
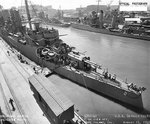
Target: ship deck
(99, 77)
(99, 74)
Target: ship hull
(79, 77)
(59, 25)
(99, 86)
(105, 31)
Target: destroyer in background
(44, 47)
(56, 22)
(117, 25)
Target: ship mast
(28, 14)
(98, 5)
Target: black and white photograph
(75, 62)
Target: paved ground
(14, 84)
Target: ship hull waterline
(59, 25)
(98, 86)
(105, 31)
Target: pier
(14, 85)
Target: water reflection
(128, 58)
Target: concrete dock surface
(14, 84)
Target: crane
(108, 5)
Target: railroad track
(18, 106)
(6, 102)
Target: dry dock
(14, 84)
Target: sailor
(34, 68)
(106, 74)
(129, 85)
(11, 102)
(70, 65)
(88, 67)
(63, 62)
(88, 58)
(114, 77)
(134, 87)
(8, 53)
(143, 88)
(76, 121)
(109, 76)
(67, 122)
(81, 122)
(66, 61)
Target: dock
(14, 85)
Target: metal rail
(4, 97)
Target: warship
(58, 23)
(44, 47)
(96, 23)
(65, 25)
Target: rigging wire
(34, 10)
(21, 6)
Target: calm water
(128, 58)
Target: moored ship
(130, 29)
(44, 47)
(58, 23)
(114, 32)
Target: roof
(52, 96)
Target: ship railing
(124, 86)
(92, 63)
(93, 75)
(100, 77)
